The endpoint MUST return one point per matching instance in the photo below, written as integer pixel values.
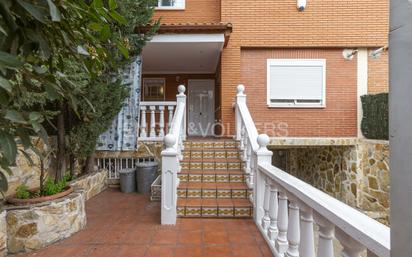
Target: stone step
(218, 208)
(229, 190)
(212, 176)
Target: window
(153, 89)
(296, 82)
(170, 4)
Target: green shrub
(375, 120)
(51, 187)
(22, 192)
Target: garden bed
(35, 226)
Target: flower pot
(16, 201)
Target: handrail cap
(263, 140)
(240, 89)
(181, 89)
(169, 140)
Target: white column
(326, 234)
(282, 241)
(152, 121)
(273, 213)
(263, 155)
(293, 229)
(307, 242)
(240, 99)
(181, 99)
(362, 82)
(170, 166)
(351, 247)
(162, 121)
(143, 133)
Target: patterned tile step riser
(212, 178)
(212, 165)
(214, 193)
(210, 144)
(218, 212)
(211, 154)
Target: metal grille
(113, 165)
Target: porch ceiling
(183, 53)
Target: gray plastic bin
(145, 175)
(127, 180)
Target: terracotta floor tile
(160, 251)
(241, 238)
(190, 224)
(132, 251)
(103, 251)
(217, 251)
(188, 251)
(215, 237)
(247, 251)
(139, 237)
(191, 237)
(168, 237)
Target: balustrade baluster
(273, 213)
(351, 247)
(266, 198)
(242, 133)
(162, 121)
(282, 241)
(143, 133)
(326, 234)
(152, 121)
(293, 229)
(307, 243)
(170, 108)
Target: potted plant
(49, 188)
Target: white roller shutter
(296, 81)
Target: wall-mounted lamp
(375, 54)
(301, 4)
(348, 54)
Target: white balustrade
(171, 157)
(286, 208)
(156, 120)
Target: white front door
(201, 115)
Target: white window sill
(169, 8)
(297, 106)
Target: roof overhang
(182, 54)
(185, 49)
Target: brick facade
(339, 116)
(325, 28)
(378, 79)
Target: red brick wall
(196, 11)
(378, 79)
(324, 24)
(338, 119)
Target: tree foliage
(38, 41)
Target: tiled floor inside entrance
(127, 225)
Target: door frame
(211, 132)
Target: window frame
(296, 62)
(159, 7)
(144, 90)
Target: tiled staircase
(212, 181)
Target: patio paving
(127, 225)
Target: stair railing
(286, 208)
(171, 157)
